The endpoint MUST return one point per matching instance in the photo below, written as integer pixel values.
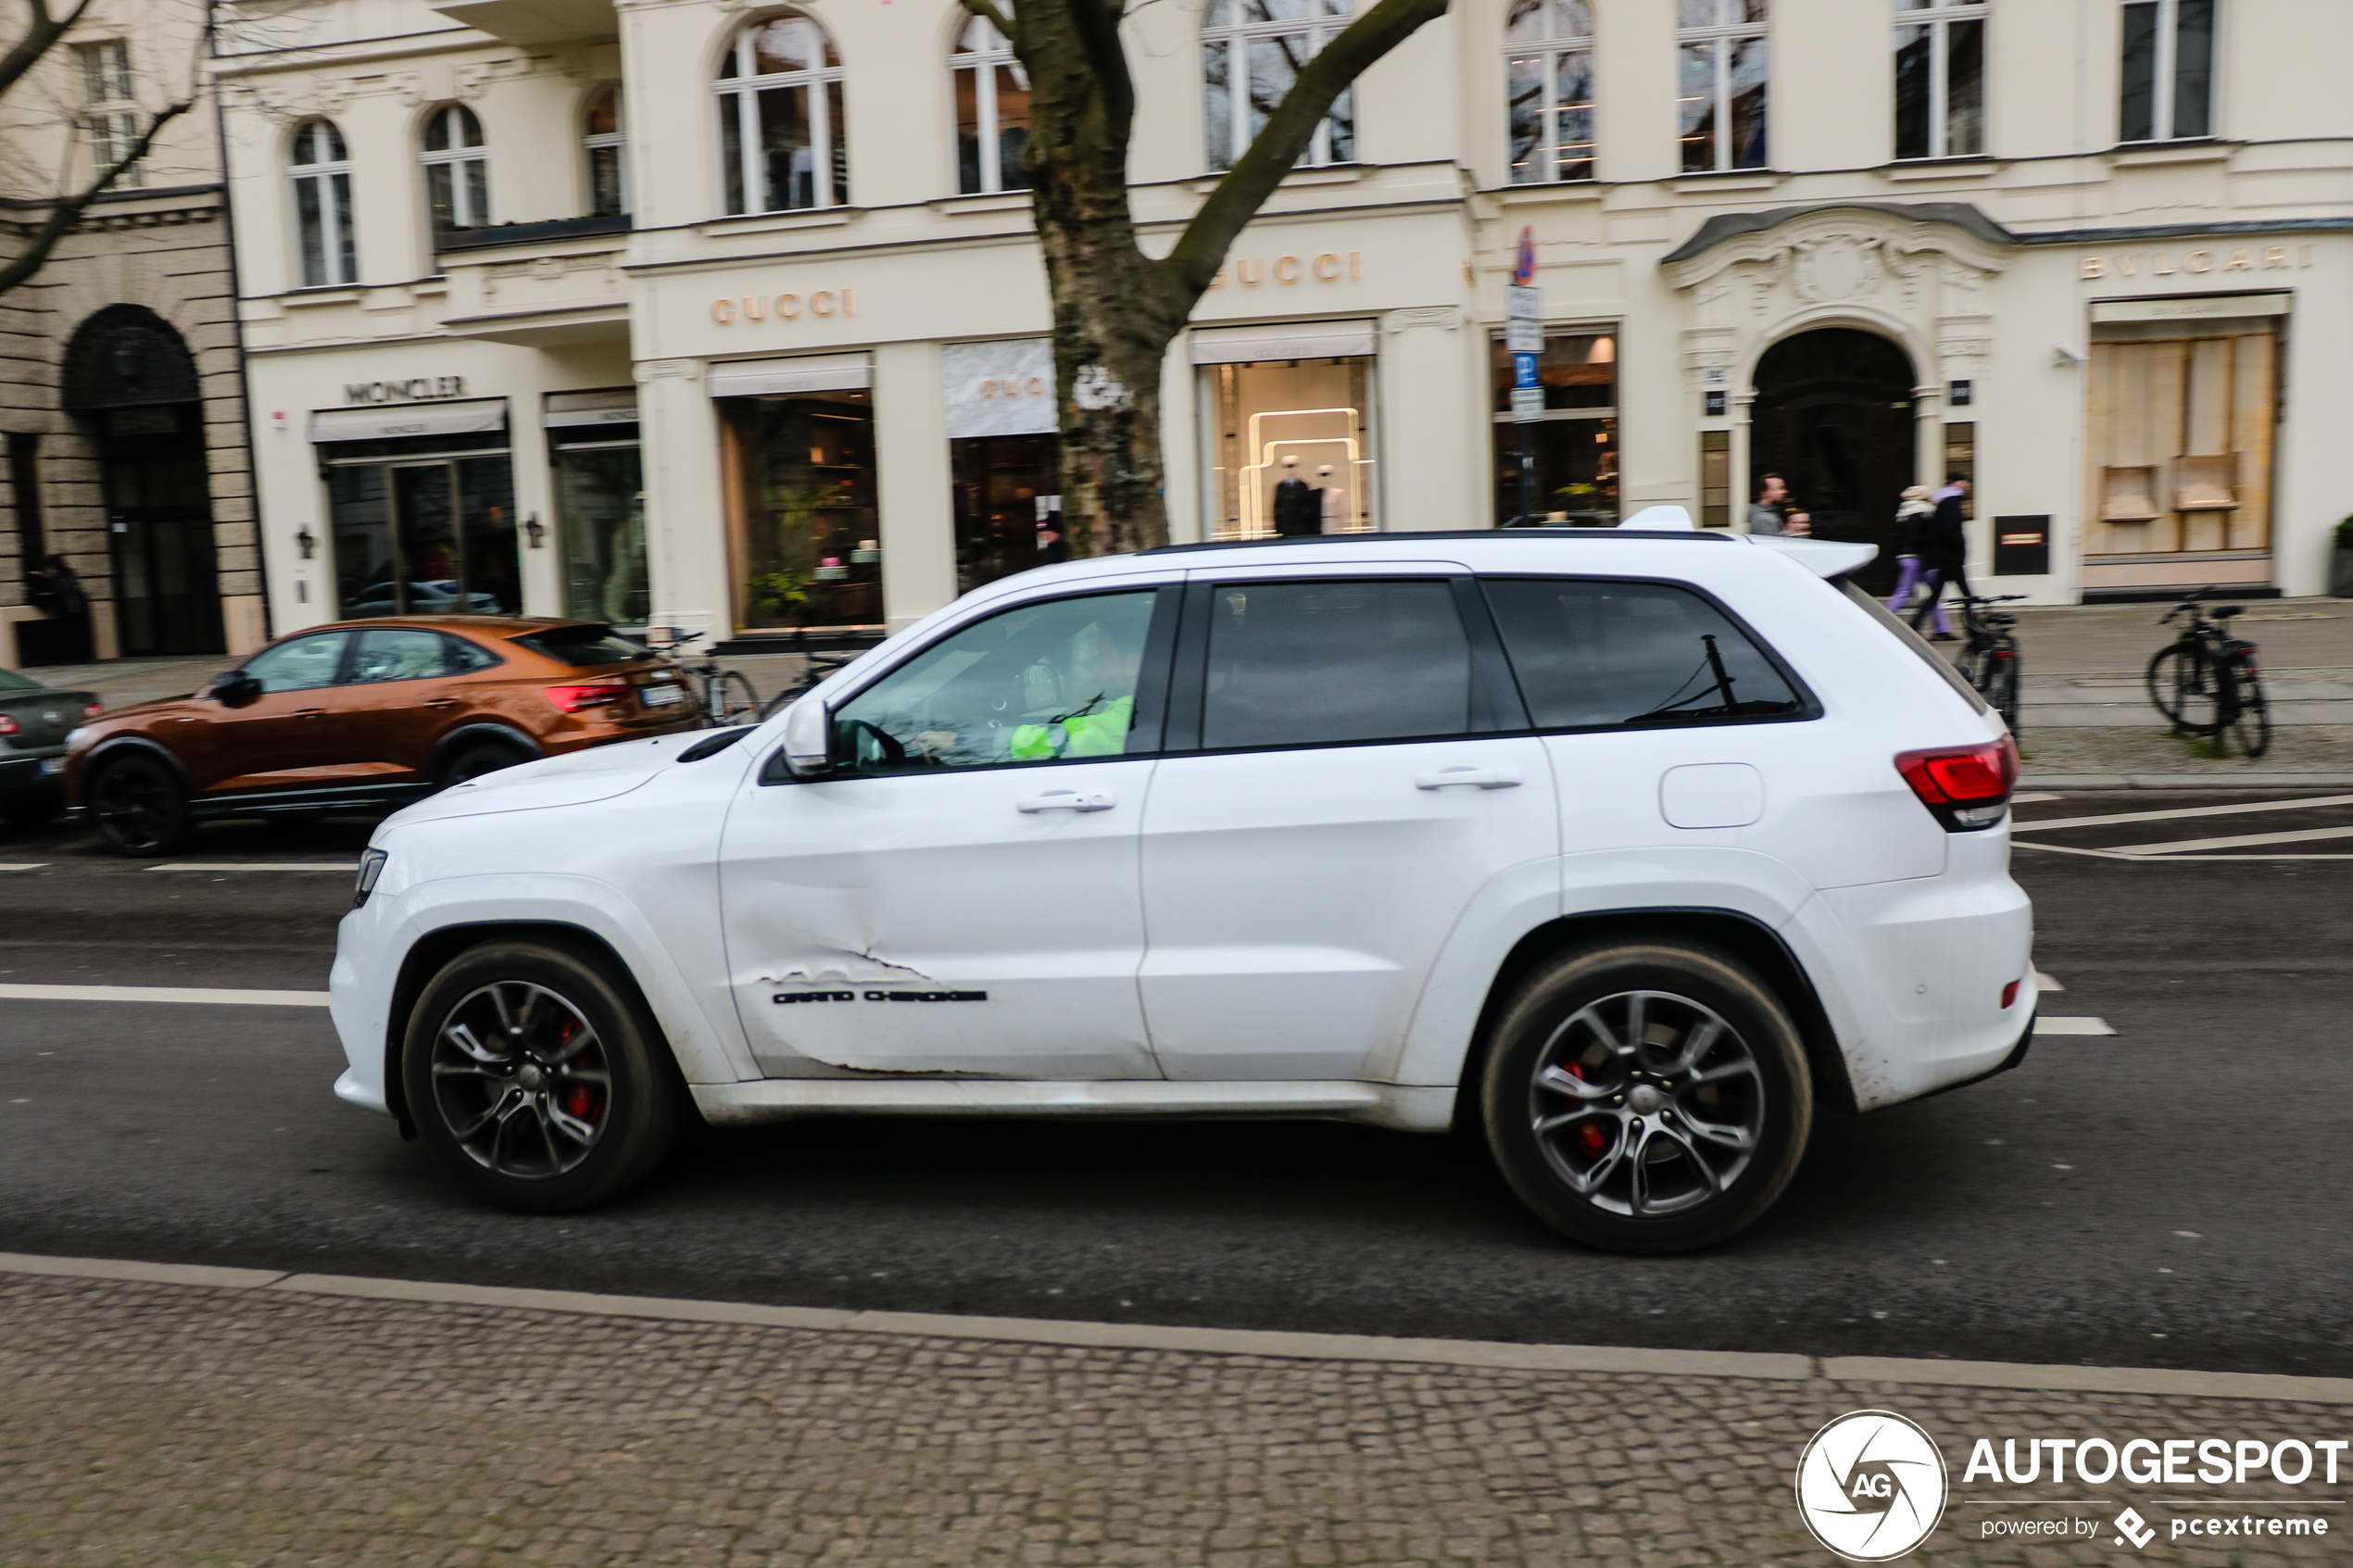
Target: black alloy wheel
(536, 1082)
(1647, 1097)
(140, 806)
(484, 756)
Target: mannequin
(1334, 499)
(1296, 510)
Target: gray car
(34, 722)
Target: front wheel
(484, 756)
(2001, 688)
(140, 806)
(2252, 727)
(535, 1082)
(1647, 1097)
(2185, 688)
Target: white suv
(1629, 847)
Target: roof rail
(1443, 535)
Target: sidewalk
(150, 1422)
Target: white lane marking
(2044, 982)
(2164, 859)
(22, 865)
(2241, 841)
(346, 867)
(2032, 795)
(2180, 812)
(2072, 1026)
(163, 993)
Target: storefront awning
(609, 406)
(399, 420)
(1288, 340)
(803, 372)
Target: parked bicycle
(2208, 683)
(727, 697)
(814, 667)
(1990, 659)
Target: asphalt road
(2170, 1195)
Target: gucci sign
(1328, 267)
(785, 306)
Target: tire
(140, 806)
(482, 757)
(2182, 685)
(2252, 728)
(2001, 689)
(537, 1083)
(1593, 1020)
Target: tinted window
(583, 646)
(1040, 684)
(398, 653)
(1593, 654)
(1308, 663)
(300, 664)
(465, 658)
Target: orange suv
(365, 715)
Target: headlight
(371, 866)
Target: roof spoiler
(1832, 558)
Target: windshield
(1912, 640)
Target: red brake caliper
(581, 1101)
(1590, 1137)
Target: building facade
(120, 395)
(729, 318)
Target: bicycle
(814, 667)
(727, 697)
(1990, 659)
(2208, 683)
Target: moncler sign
(416, 389)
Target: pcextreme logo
(1872, 1486)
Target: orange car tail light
(581, 694)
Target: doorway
(424, 536)
(1834, 417)
(159, 539)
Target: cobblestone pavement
(151, 1425)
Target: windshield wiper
(1727, 706)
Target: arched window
(992, 110)
(780, 117)
(1251, 52)
(1550, 46)
(323, 205)
(607, 172)
(457, 173)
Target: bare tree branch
(38, 38)
(1277, 148)
(69, 210)
(987, 11)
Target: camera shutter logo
(1872, 1486)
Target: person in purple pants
(1915, 511)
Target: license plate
(662, 695)
(53, 764)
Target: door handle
(310, 713)
(1068, 801)
(1481, 778)
(442, 702)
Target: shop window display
(802, 521)
(1293, 447)
(1561, 469)
(601, 500)
(1005, 489)
(423, 532)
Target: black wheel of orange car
(1647, 1097)
(536, 1082)
(482, 757)
(139, 803)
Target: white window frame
(1937, 15)
(994, 53)
(1724, 34)
(2161, 105)
(1221, 31)
(594, 141)
(1549, 49)
(335, 231)
(110, 107)
(824, 135)
(456, 158)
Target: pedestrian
(1911, 521)
(1797, 523)
(1944, 551)
(1052, 548)
(1765, 512)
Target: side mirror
(808, 738)
(236, 689)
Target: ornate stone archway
(1916, 274)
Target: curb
(2184, 781)
(1271, 1345)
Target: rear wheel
(140, 806)
(536, 1082)
(483, 756)
(1647, 1097)
(2185, 685)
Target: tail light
(587, 694)
(91, 709)
(1967, 787)
(9, 726)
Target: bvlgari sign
(416, 389)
